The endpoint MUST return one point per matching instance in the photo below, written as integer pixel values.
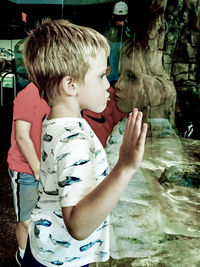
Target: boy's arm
(26, 145)
(82, 219)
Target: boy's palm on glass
(132, 148)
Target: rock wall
(169, 32)
(181, 60)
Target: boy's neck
(63, 111)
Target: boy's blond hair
(58, 48)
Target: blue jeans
(25, 194)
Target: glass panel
(155, 67)
(157, 218)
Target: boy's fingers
(137, 125)
(134, 115)
(133, 120)
(142, 136)
(126, 132)
(133, 127)
(130, 123)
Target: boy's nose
(107, 84)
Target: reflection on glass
(157, 218)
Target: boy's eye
(106, 73)
(108, 70)
(103, 75)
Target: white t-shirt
(73, 162)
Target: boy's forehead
(98, 62)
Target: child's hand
(36, 171)
(37, 177)
(132, 148)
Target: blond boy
(70, 224)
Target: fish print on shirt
(36, 231)
(90, 245)
(70, 129)
(58, 242)
(105, 173)
(69, 181)
(62, 156)
(72, 137)
(44, 155)
(51, 193)
(56, 262)
(47, 137)
(46, 250)
(51, 171)
(58, 215)
(97, 153)
(45, 223)
(40, 222)
(71, 259)
(78, 163)
(105, 224)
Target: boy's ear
(69, 86)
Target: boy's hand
(37, 176)
(132, 148)
(36, 171)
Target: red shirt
(29, 107)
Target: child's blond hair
(58, 48)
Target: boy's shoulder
(72, 128)
(59, 133)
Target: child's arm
(26, 145)
(82, 219)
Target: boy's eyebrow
(107, 70)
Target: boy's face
(93, 93)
